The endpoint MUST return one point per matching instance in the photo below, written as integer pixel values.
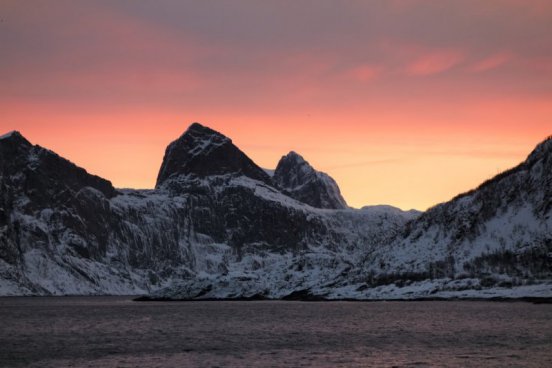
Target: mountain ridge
(217, 226)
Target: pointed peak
(292, 155)
(198, 132)
(197, 128)
(195, 125)
(293, 158)
(10, 134)
(14, 136)
(203, 151)
(294, 161)
(13, 133)
(199, 140)
(296, 177)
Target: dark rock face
(202, 151)
(33, 180)
(43, 175)
(301, 181)
(46, 201)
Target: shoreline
(532, 300)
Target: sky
(406, 103)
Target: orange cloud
(435, 62)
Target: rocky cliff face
(33, 180)
(301, 181)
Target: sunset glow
(403, 102)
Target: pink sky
(405, 103)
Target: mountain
(499, 234)
(218, 226)
(33, 180)
(213, 214)
(297, 178)
(45, 175)
(203, 152)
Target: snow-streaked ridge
(233, 234)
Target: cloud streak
(435, 62)
(491, 62)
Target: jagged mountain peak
(293, 159)
(204, 134)
(14, 137)
(202, 151)
(294, 156)
(295, 176)
(200, 140)
(10, 134)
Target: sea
(120, 332)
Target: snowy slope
(214, 214)
(217, 226)
(493, 242)
(500, 232)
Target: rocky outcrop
(203, 152)
(43, 175)
(301, 181)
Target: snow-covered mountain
(500, 232)
(218, 226)
(494, 241)
(297, 178)
(214, 212)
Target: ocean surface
(117, 332)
